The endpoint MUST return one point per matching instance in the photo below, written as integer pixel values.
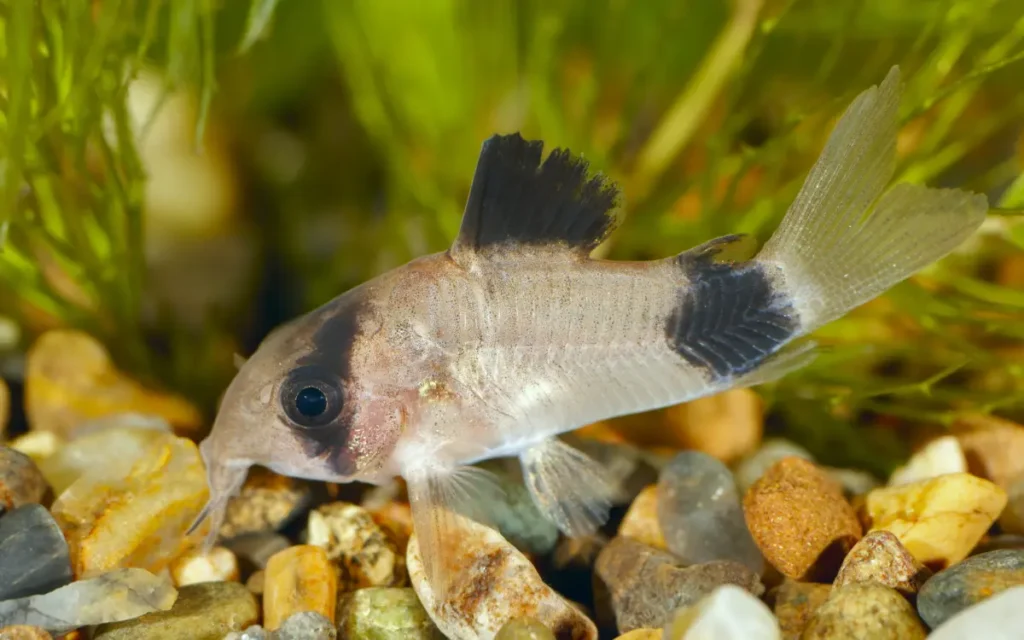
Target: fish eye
(311, 397)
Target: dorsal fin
(515, 200)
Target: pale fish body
(516, 335)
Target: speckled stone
(266, 502)
(364, 552)
(800, 520)
(306, 625)
(34, 557)
(795, 603)
(865, 611)
(206, 611)
(968, 583)
(21, 482)
(524, 629)
(700, 514)
(24, 632)
(647, 585)
(383, 613)
(879, 557)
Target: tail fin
(840, 244)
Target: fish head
(314, 401)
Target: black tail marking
(730, 318)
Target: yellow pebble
(219, 565)
(299, 578)
(641, 520)
(641, 634)
(938, 520)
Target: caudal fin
(843, 241)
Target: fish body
(516, 335)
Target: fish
(517, 334)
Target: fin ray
(567, 486)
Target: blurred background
(177, 177)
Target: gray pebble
(969, 582)
(305, 625)
(34, 556)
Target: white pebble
(1000, 617)
(938, 457)
(727, 613)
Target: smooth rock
(1000, 617)
(727, 613)
(254, 632)
(218, 564)
(114, 448)
(516, 516)
(800, 520)
(726, 425)
(940, 456)
(306, 625)
(879, 557)
(647, 585)
(21, 482)
(34, 557)
(795, 603)
(524, 629)
(642, 634)
(70, 379)
(641, 520)
(994, 448)
(38, 445)
(751, 468)
(853, 481)
(24, 632)
(206, 611)
(137, 516)
(256, 581)
(266, 502)
(300, 578)
(257, 548)
(384, 613)
(119, 595)
(700, 513)
(492, 582)
(865, 611)
(940, 520)
(1012, 518)
(968, 583)
(365, 553)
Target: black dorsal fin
(516, 200)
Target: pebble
(879, 557)
(113, 515)
(384, 613)
(727, 613)
(118, 446)
(306, 625)
(1000, 617)
(516, 516)
(24, 632)
(257, 548)
(853, 481)
(1012, 518)
(492, 582)
(299, 578)
(625, 467)
(865, 611)
(266, 502)
(968, 583)
(365, 553)
(70, 379)
(21, 482)
(119, 595)
(38, 445)
(642, 634)
(206, 611)
(726, 425)
(700, 513)
(254, 632)
(641, 520)
(795, 603)
(800, 520)
(646, 585)
(940, 456)
(939, 520)
(256, 581)
(218, 564)
(751, 468)
(34, 557)
(396, 519)
(578, 553)
(994, 448)
(524, 629)
(5, 408)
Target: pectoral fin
(567, 486)
(438, 498)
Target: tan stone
(795, 604)
(641, 634)
(727, 425)
(865, 610)
(362, 549)
(939, 520)
(800, 520)
(994, 448)
(24, 632)
(641, 520)
(879, 557)
(217, 565)
(299, 578)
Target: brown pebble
(880, 557)
(865, 611)
(300, 578)
(24, 632)
(994, 448)
(21, 482)
(396, 519)
(794, 604)
(800, 520)
(726, 425)
(641, 520)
